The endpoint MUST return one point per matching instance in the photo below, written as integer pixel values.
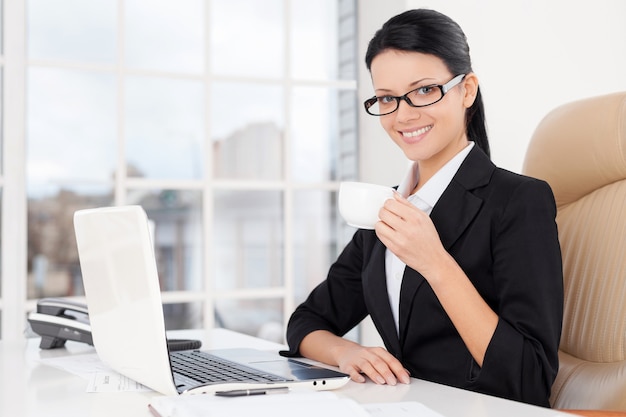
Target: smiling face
(430, 135)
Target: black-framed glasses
(420, 97)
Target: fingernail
(380, 380)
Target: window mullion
(120, 177)
(288, 201)
(14, 207)
(208, 194)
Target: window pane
(71, 128)
(315, 235)
(1, 115)
(182, 316)
(314, 42)
(1, 253)
(323, 40)
(323, 140)
(247, 38)
(165, 35)
(314, 134)
(247, 130)
(324, 144)
(262, 318)
(164, 128)
(176, 217)
(72, 30)
(1, 28)
(53, 267)
(248, 239)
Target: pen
(254, 391)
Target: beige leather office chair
(580, 150)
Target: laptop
(128, 328)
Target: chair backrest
(580, 150)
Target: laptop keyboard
(206, 368)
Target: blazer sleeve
(337, 304)
(521, 361)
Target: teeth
(417, 132)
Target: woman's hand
(375, 362)
(410, 234)
(353, 359)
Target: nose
(406, 112)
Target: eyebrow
(412, 85)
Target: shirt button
(398, 275)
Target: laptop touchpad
(297, 369)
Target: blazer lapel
(411, 281)
(376, 296)
(458, 206)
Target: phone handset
(58, 320)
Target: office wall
(530, 56)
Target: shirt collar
(430, 192)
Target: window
(230, 121)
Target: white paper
(80, 365)
(297, 403)
(99, 377)
(111, 381)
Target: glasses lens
(425, 96)
(381, 105)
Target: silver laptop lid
(123, 295)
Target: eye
(426, 90)
(386, 99)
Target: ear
(470, 89)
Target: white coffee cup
(360, 202)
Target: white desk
(31, 388)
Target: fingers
(356, 376)
(395, 212)
(388, 368)
(378, 365)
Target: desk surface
(31, 388)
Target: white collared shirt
(424, 199)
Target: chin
(418, 155)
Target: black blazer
(500, 228)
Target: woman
(462, 275)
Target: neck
(429, 167)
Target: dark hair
(430, 32)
